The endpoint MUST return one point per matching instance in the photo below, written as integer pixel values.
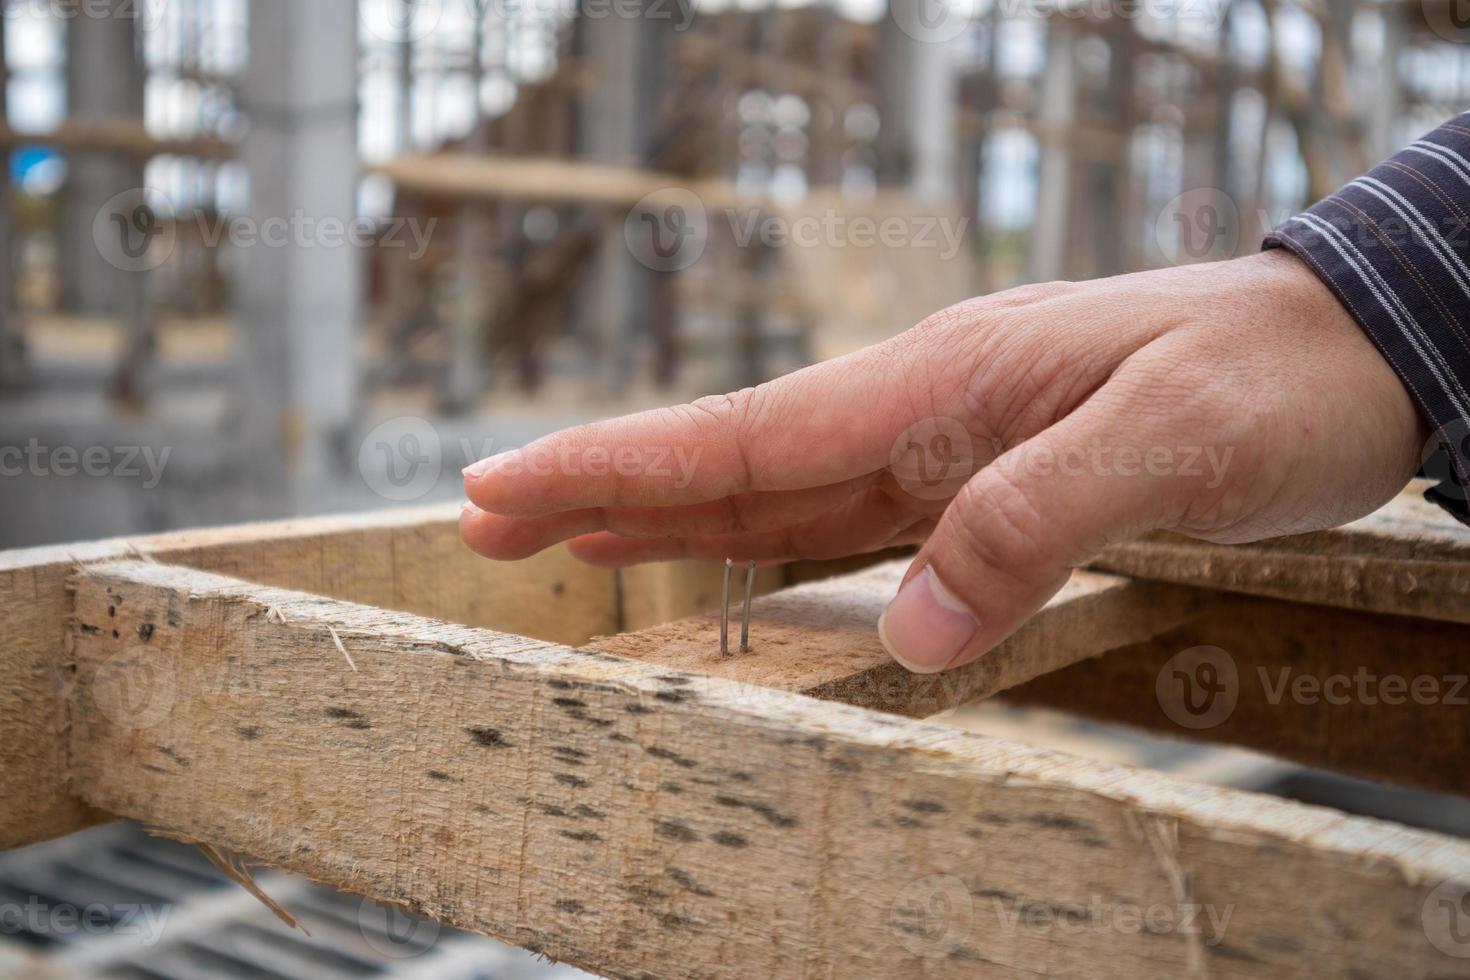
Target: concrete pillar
(918, 97)
(299, 286)
(12, 349)
(614, 125)
(1056, 113)
(104, 80)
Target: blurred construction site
(263, 257)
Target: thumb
(1009, 539)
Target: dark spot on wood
(570, 905)
(557, 588)
(620, 737)
(964, 953)
(559, 684)
(568, 703)
(687, 882)
(360, 724)
(741, 777)
(908, 822)
(551, 810)
(924, 806)
(158, 769)
(481, 808)
(88, 628)
(672, 697)
(343, 713)
(174, 755)
(773, 816)
(643, 894)
(248, 732)
(590, 812)
(112, 610)
(582, 836)
(1057, 821)
(726, 839)
(672, 920)
(490, 738)
(442, 777)
(145, 631)
(674, 788)
(668, 755)
(637, 708)
(567, 779)
(116, 634)
(676, 680)
(674, 830)
(566, 753)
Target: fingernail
(926, 625)
(467, 508)
(477, 469)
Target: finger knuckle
(998, 521)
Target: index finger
(821, 425)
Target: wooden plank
(821, 639)
(121, 136)
(1408, 558)
(1382, 697)
(409, 559)
(640, 821)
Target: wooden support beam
(638, 820)
(1382, 697)
(821, 639)
(409, 559)
(1408, 558)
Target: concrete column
(918, 96)
(614, 124)
(104, 80)
(12, 350)
(1055, 116)
(299, 287)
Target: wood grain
(408, 559)
(1409, 558)
(642, 821)
(821, 639)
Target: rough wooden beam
(1383, 697)
(409, 559)
(1409, 558)
(640, 821)
(821, 639)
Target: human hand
(1015, 435)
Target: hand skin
(1293, 420)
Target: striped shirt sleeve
(1394, 246)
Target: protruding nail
(926, 626)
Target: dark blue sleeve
(1394, 246)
